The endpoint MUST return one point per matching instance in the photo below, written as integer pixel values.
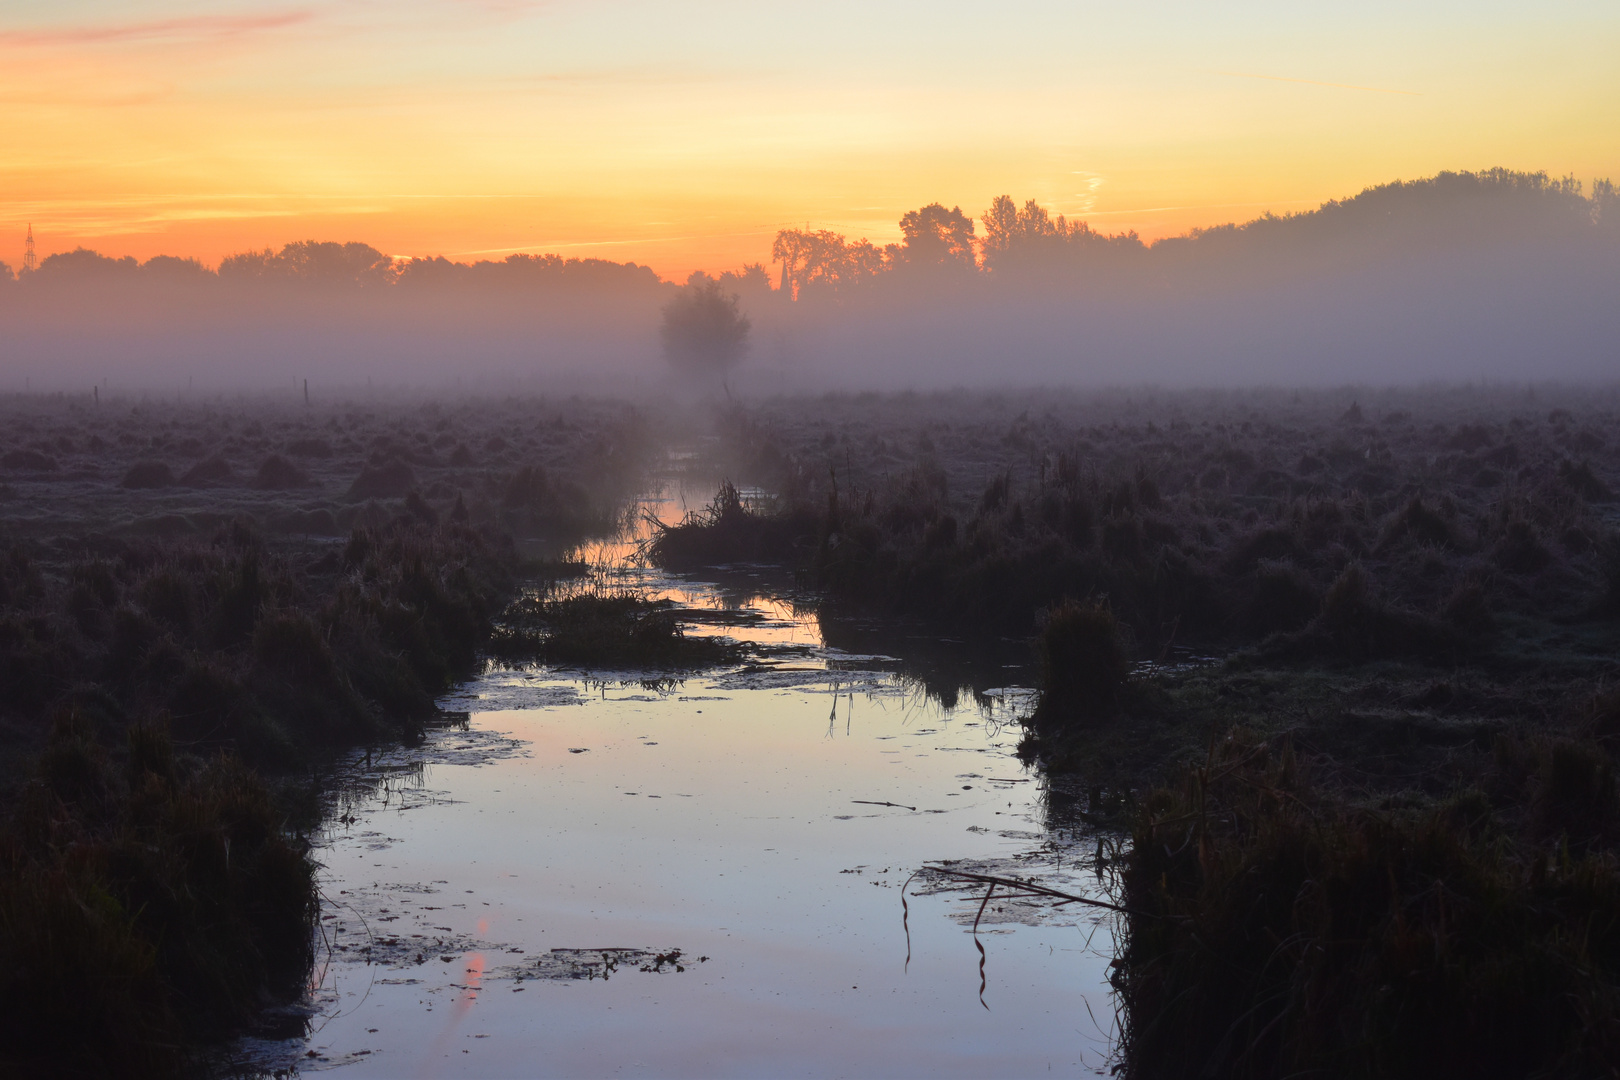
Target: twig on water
(870, 802)
(1030, 888)
(988, 893)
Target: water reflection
(730, 848)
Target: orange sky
(683, 135)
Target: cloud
(1318, 82)
(191, 28)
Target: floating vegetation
(589, 964)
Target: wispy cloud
(550, 245)
(190, 28)
(1318, 82)
(1204, 206)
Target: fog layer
(1497, 275)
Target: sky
(683, 134)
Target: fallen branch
(1030, 888)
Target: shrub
(276, 473)
(148, 474)
(1080, 653)
(1583, 482)
(1520, 550)
(390, 480)
(1282, 599)
(604, 631)
(1274, 931)
(214, 470)
(28, 461)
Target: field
(1342, 662)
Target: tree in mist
(1606, 206)
(525, 273)
(937, 237)
(1028, 239)
(81, 265)
(792, 249)
(752, 282)
(315, 262)
(824, 262)
(1010, 232)
(176, 270)
(704, 333)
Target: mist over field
(1490, 276)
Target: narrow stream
(604, 874)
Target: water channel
(611, 874)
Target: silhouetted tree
(824, 261)
(1606, 205)
(325, 262)
(792, 250)
(752, 281)
(82, 264)
(937, 237)
(1029, 240)
(526, 272)
(175, 270)
(704, 334)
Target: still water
(604, 874)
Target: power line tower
(30, 260)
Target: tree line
(1027, 243)
(327, 264)
(938, 246)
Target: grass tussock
(1212, 521)
(145, 903)
(728, 530)
(1082, 667)
(597, 631)
(1282, 928)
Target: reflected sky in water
(739, 818)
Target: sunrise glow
(684, 135)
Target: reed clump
(1281, 927)
(1210, 522)
(1082, 667)
(728, 530)
(146, 903)
(603, 631)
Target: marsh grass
(1081, 664)
(179, 654)
(728, 530)
(594, 630)
(1289, 929)
(1207, 520)
(145, 904)
(153, 894)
